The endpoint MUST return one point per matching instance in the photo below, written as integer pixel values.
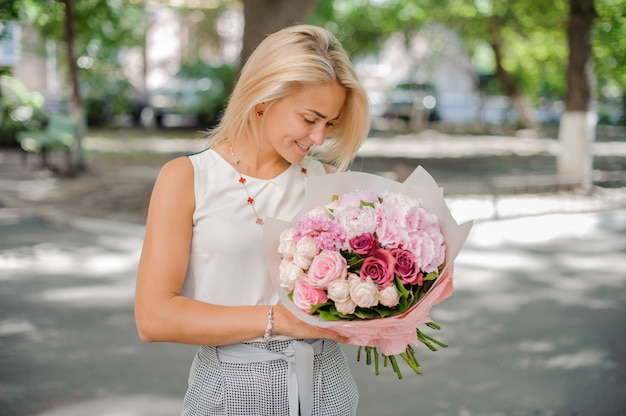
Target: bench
(60, 133)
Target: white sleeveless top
(227, 262)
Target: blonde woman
(202, 278)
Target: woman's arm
(161, 313)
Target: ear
(259, 109)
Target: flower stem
(411, 361)
(394, 364)
(376, 362)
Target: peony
(363, 243)
(379, 266)
(305, 295)
(406, 268)
(389, 296)
(356, 220)
(289, 272)
(363, 292)
(355, 198)
(429, 255)
(389, 232)
(327, 267)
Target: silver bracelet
(270, 325)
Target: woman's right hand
(286, 323)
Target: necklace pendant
(259, 221)
(250, 200)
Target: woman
(202, 278)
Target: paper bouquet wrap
(389, 328)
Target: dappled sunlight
(528, 230)
(143, 405)
(15, 326)
(572, 361)
(109, 295)
(62, 258)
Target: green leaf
(431, 276)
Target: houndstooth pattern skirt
(261, 388)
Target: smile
(305, 148)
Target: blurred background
(517, 108)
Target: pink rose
(304, 295)
(379, 267)
(327, 267)
(363, 243)
(406, 268)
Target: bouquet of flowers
(367, 258)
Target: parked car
(192, 98)
(408, 100)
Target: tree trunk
(507, 82)
(578, 124)
(76, 104)
(263, 17)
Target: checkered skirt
(260, 388)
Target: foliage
(20, 109)
(104, 29)
(533, 34)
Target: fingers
(285, 323)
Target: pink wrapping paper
(393, 334)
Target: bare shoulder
(175, 179)
(179, 167)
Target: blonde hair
(285, 62)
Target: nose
(318, 133)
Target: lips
(302, 147)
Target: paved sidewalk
(535, 325)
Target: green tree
(93, 32)
(522, 43)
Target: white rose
(389, 296)
(363, 293)
(345, 308)
(306, 247)
(339, 291)
(302, 261)
(305, 251)
(289, 272)
(286, 246)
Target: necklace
(249, 199)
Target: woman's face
(292, 125)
